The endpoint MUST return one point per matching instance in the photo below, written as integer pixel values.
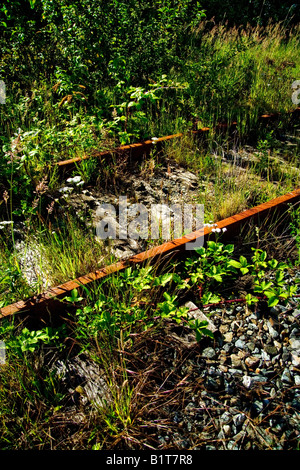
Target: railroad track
(49, 302)
(138, 150)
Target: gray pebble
(240, 344)
(209, 353)
(286, 377)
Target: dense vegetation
(87, 75)
(90, 75)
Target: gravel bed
(240, 391)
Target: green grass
(228, 75)
(65, 242)
(222, 75)
(105, 324)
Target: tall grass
(240, 73)
(228, 74)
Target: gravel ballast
(240, 391)
(237, 391)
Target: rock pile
(167, 185)
(241, 391)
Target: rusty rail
(139, 149)
(135, 150)
(51, 299)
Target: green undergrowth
(56, 250)
(141, 296)
(63, 240)
(100, 322)
(77, 83)
(226, 75)
(219, 74)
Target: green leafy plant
(74, 297)
(200, 328)
(276, 289)
(215, 269)
(242, 264)
(30, 340)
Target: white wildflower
(5, 222)
(66, 189)
(75, 179)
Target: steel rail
(139, 149)
(51, 299)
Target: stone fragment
(83, 377)
(252, 361)
(265, 356)
(297, 380)
(278, 345)
(271, 350)
(247, 381)
(196, 313)
(123, 254)
(273, 333)
(227, 430)
(235, 360)
(295, 360)
(239, 419)
(223, 329)
(228, 337)
(226, 417)
(209, 353)
(240, 344)
(286, 377)
(295, 343)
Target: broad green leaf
(273, 300)
(263, 256)
(164, 279)
(207, 332)
(229, 248)
(218, 277)
(273, 263)
(234, 264)
(244, 270)
(131, 104)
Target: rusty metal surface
(52, 297)
(136, 149)
(139, 149)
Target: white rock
(227, 429)
(196, 313)
(247, 381)
(295, 360)
(295, 343)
